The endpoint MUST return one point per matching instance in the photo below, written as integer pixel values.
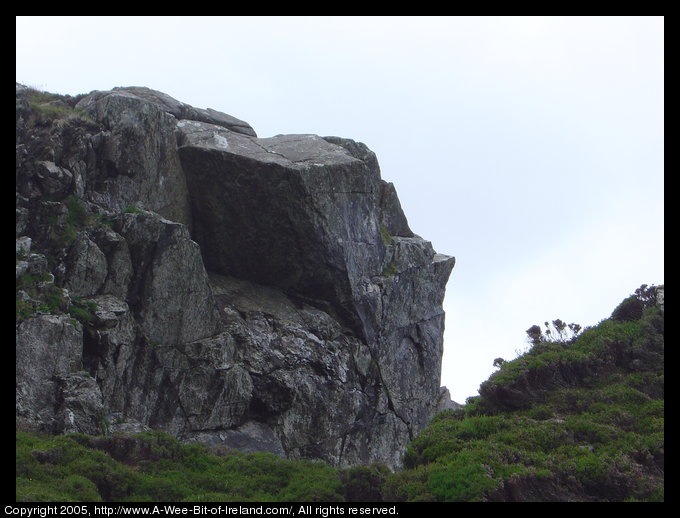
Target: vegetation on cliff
(572, 419)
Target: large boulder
(311, 215)
(136, 155)
(181, 110)
(169, 286)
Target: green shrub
(77, 213)
(629, 310)
(31, 490)
(364, 483)
(65, 219)
(633, 307)
(130, 209)
(48, 107)
(463, 478)
(410, 485)
(44, 296)
(81, 489)
(385, 235)
(541, 412)
(390, 270)
(81, 314)
(24, 309)
(312, 482)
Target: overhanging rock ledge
(259, 293)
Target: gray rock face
(180, 110)
(170, 291)
(87, 268)
(136, 154)
(302, 213)
(52, 391)
(265, 294)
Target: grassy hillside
(578, 419)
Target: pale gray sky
(531, 148)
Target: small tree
(556, 332)
(646, 295)
(498, 362)
(632, 307)
(535, 334)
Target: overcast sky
(530, 148)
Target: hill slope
(579, 419)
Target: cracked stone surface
(265, 294)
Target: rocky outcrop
(260, 293)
